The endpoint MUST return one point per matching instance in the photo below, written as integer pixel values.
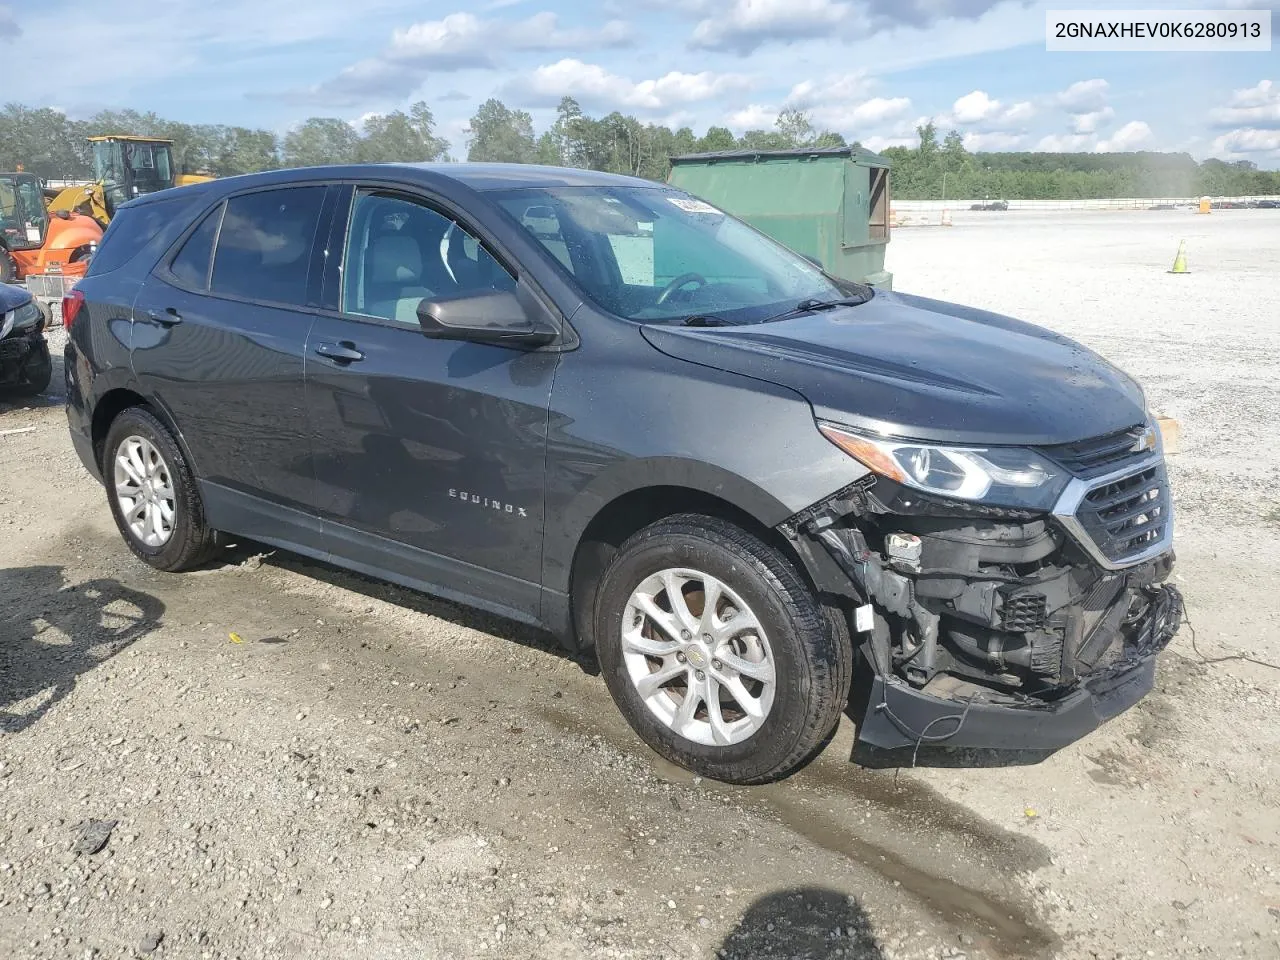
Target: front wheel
(717, 652)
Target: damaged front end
(1003, 627)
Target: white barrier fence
(1132, 203)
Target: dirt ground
(370, 773)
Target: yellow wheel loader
(124, 167)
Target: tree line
(46, 142)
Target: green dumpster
(829, 204)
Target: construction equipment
(829, 204)
(124, 167)
(35, 241)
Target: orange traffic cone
(1180, 261)
(946, 218)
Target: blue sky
(870, 69)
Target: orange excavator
(35, 240)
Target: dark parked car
(602, 406)
(25, 369)
(991, 205)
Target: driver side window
(400, 252)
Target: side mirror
(497, 318)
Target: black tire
(191, 541)
(811, 648)
(36, 372)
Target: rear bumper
(897, 715)
(84, 450)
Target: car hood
(12, 297)
(919, 368)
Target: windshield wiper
(702, 320)
(813, 305)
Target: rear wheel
(153, 496)
(716, 651)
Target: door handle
(344, 352)
(169, 318)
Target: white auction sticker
(692, 205)
(1129, 31)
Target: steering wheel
(677, 283)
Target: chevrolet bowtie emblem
(1144, 440)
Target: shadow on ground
(52, 632)
(244, 551)
(807, 923)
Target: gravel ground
(372, 773)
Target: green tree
(321, 141)
(499, 134)
(794, 128)
(401, 137)
(716, 139)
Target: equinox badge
(479, 501)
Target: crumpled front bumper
(898, 715)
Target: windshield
(656, 254)
(22, 213)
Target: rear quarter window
(133, 229)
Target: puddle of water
(1002, 925)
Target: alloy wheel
(698, 657)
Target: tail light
(71, 305)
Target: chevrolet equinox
(605, 407)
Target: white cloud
(975, 107)
(1257, 106)
(1237, 143)
(594, 85)
(9, 28)
(841, 87)
(1132, 136)
(1067, 143)
(467, 40)
(995, 140)
(841, 102)
(879, 110)
(754, 116)
(1090, 122)
(1084, 96)
(459, 41)
(877, 144)
(746, 24)
(1019, 112)
(979, 108)
(741, 26)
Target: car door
(219, 333)
(429, 453)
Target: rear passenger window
(264, 246)
(191, 265)
(130, 230)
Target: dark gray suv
(603, 406)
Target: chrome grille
(1120, 518)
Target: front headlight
(999, 476)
